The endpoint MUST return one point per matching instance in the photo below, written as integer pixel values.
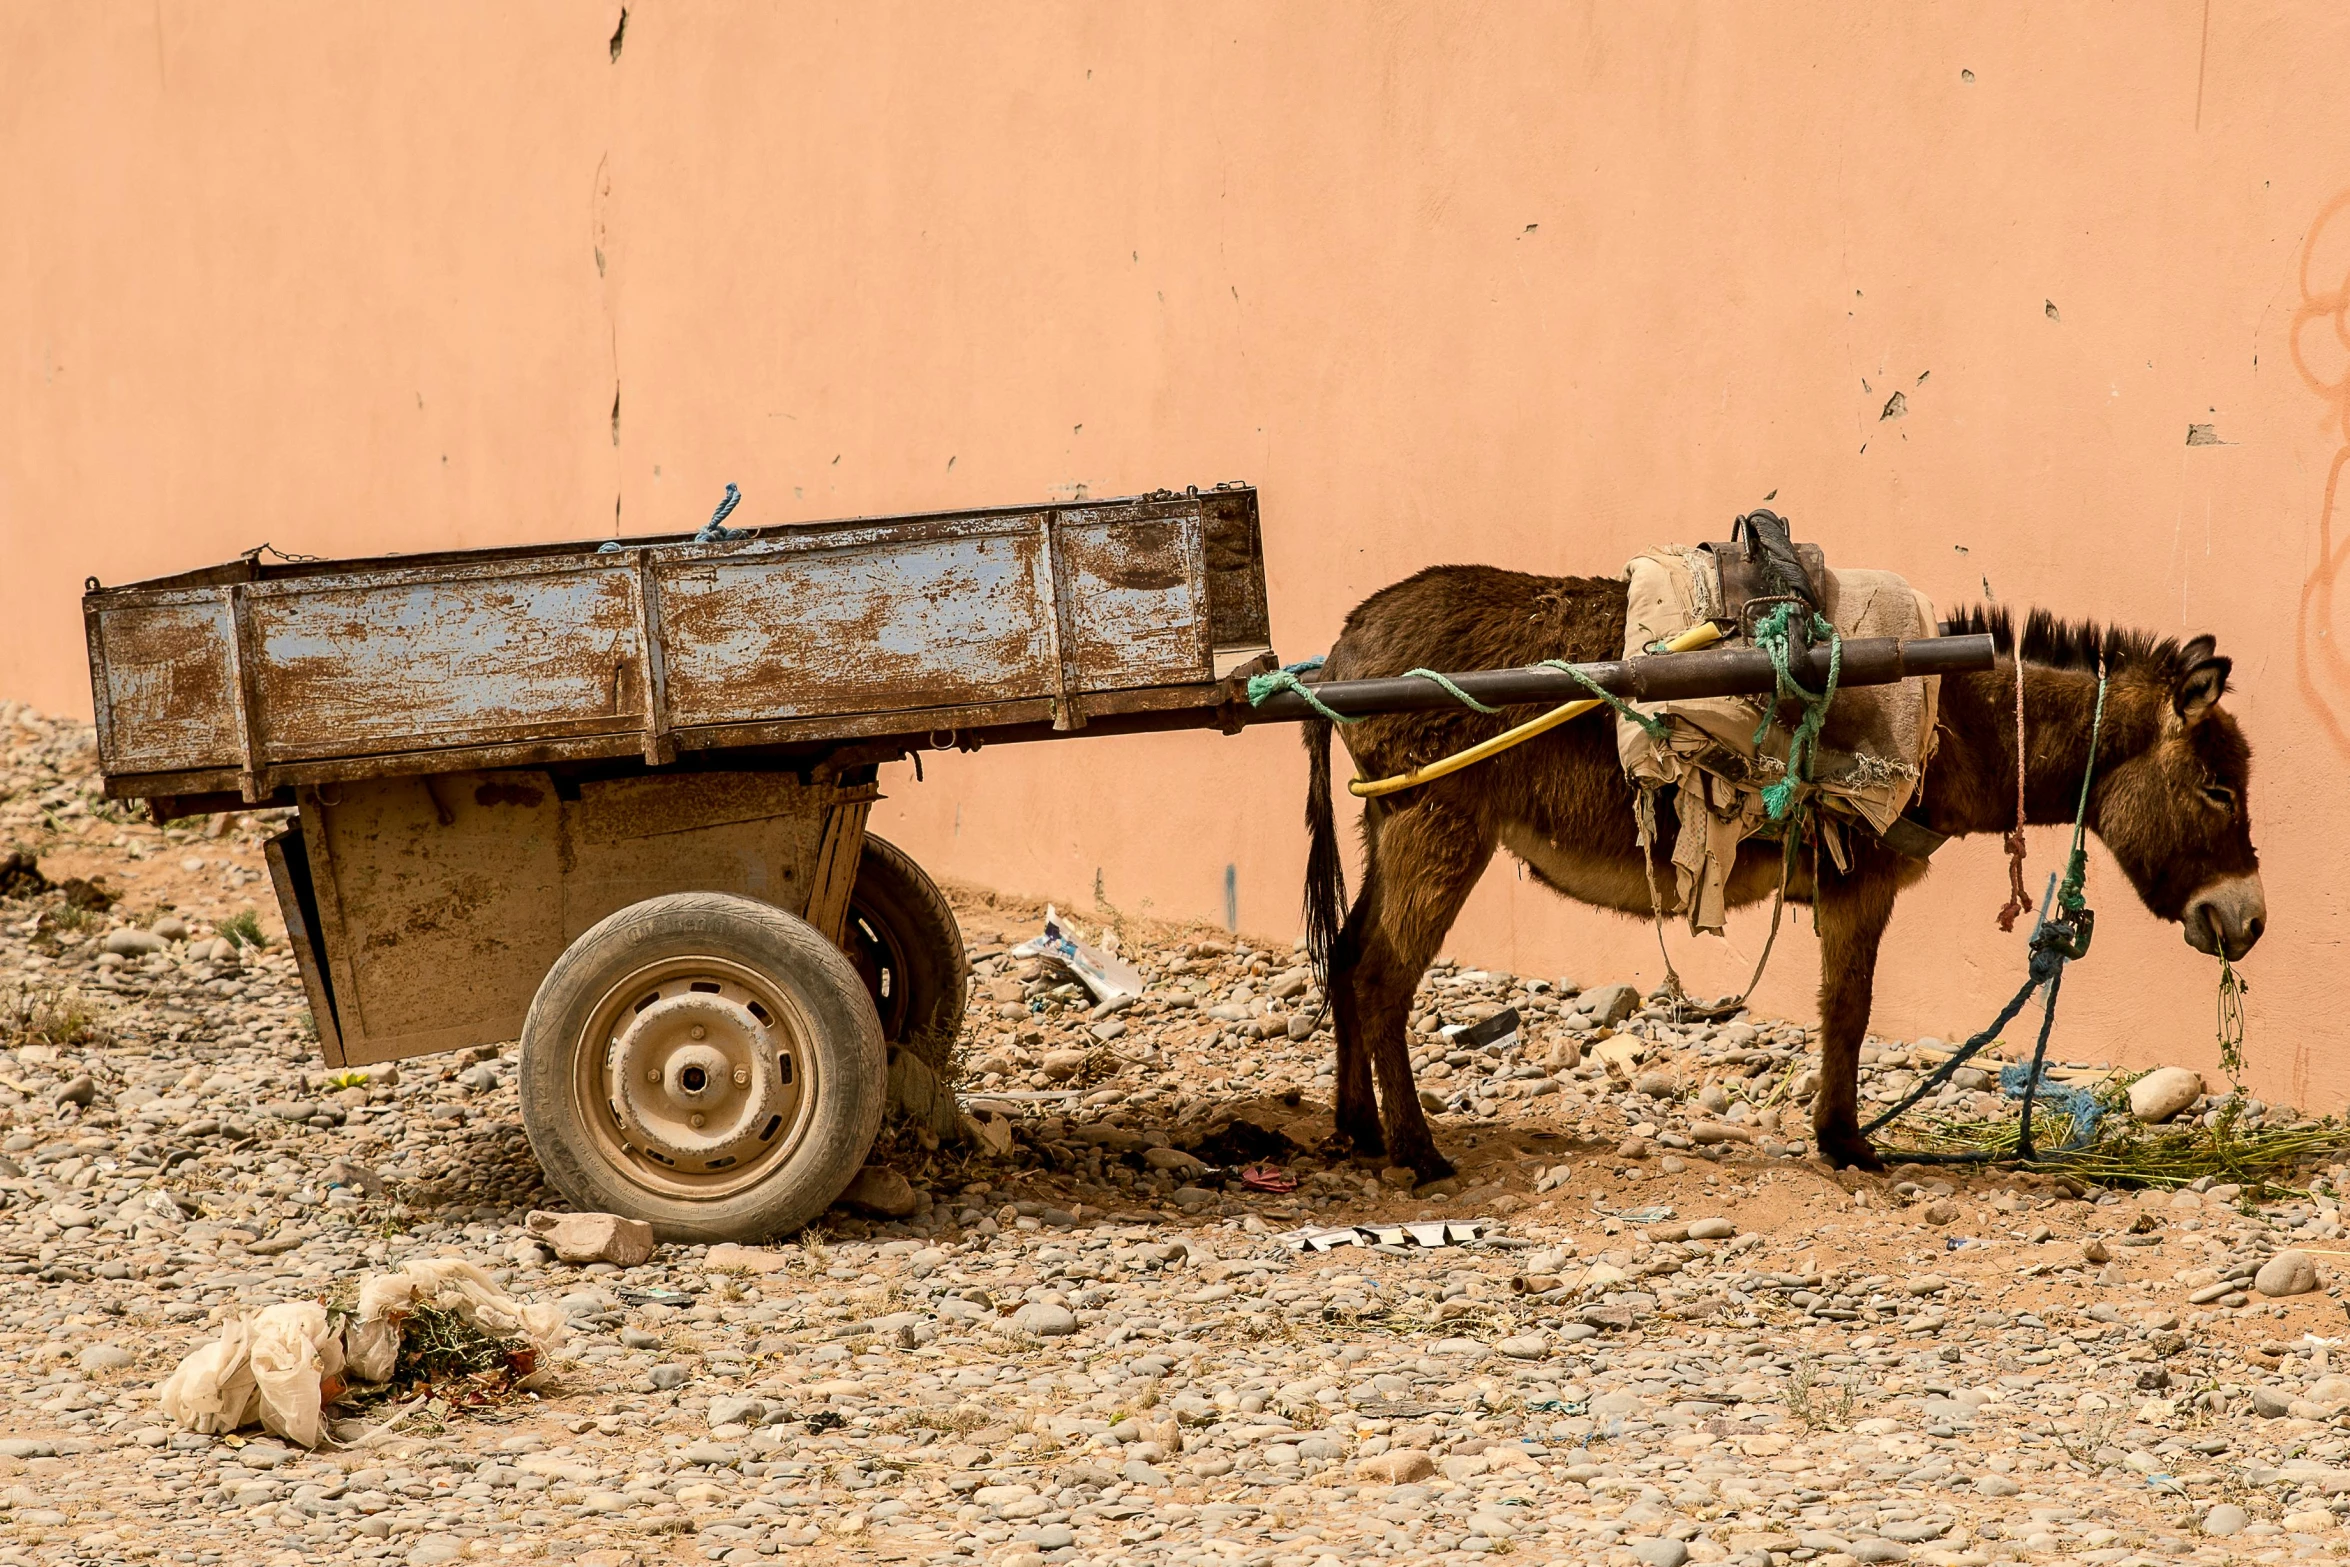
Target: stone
(2331, 1391)
(78, 1090)
(1149, 1476)
(1708, 1133)
(1658, 1551)
(1045, 1320)
(432, 1549)
(2286, 1273)
(1061, 1065)
(882, 1192)
(1173, 1160)
(1878, 1550)
(131, 942)
(727, 1257)
(1712, 1230)
(1656, 1085)
(2095, 1250)
(1396, 1466)
(737, 1411)
(171, 928)
(1526, 1346)
(1609, 1005)
(104, 1357)
(2225, 1520)
(1400, 1177)
(1996, 1485)
(2271, 1403)
(1940, 1211)
(2164, 1092)
(594, 1237)
(667, 1378)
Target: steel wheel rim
(697, 989)
(880, 960)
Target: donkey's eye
(2220, 795)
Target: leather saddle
(1760, 566)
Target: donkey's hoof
(1432, 1166)
(1367, 1142)
(1850, 1152)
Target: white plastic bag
(283, 1366)
(273, 1368)
(446, 1284)
(1107, 977)
(212, 1390)
(294, 1353)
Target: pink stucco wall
(1535, 285)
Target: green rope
(1773, 636)
(2076, 865)
(1455, 692)
(1655, 728)
(1285, 679)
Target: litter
(1430, 1233)
(654, 1297)
(1656, 1215)
(1497, 1030)
(1268, 1178)
(283, 1366)
(1109, 978)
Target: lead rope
(2061, 935)
(2018, 900)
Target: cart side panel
(166, 688)
(1237, 615)
(352, 669)
(921, 622)
(1137, 600)
(446, 899)
(629, 839)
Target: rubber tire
(851, 1081)
(896, 896)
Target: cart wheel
(706, 1063)
(904, 940)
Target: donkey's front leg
(1850, 914)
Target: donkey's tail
(1325, 867)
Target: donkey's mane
(2072, 644)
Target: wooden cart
(612, 801)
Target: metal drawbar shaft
(1666, 677)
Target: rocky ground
(1673, 1338)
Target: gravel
(1099, 1349)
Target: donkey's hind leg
(1357, 1111)
(1429, 858)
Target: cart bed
(255, 677)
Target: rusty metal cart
(612, 801)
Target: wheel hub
(694, 1078)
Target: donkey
(2170, 800)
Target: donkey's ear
(2201, 688)
(2197, 651)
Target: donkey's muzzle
(2227, 917)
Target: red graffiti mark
(2319, 663)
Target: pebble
(2287, 1273)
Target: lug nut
(652, 1074)
(742, 1075)
(699, 1118)
(700, 1032)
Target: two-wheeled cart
(612, 801)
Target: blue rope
(2078, 1104)
(712, 532)
(1655, 728)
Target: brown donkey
(2170, 801)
